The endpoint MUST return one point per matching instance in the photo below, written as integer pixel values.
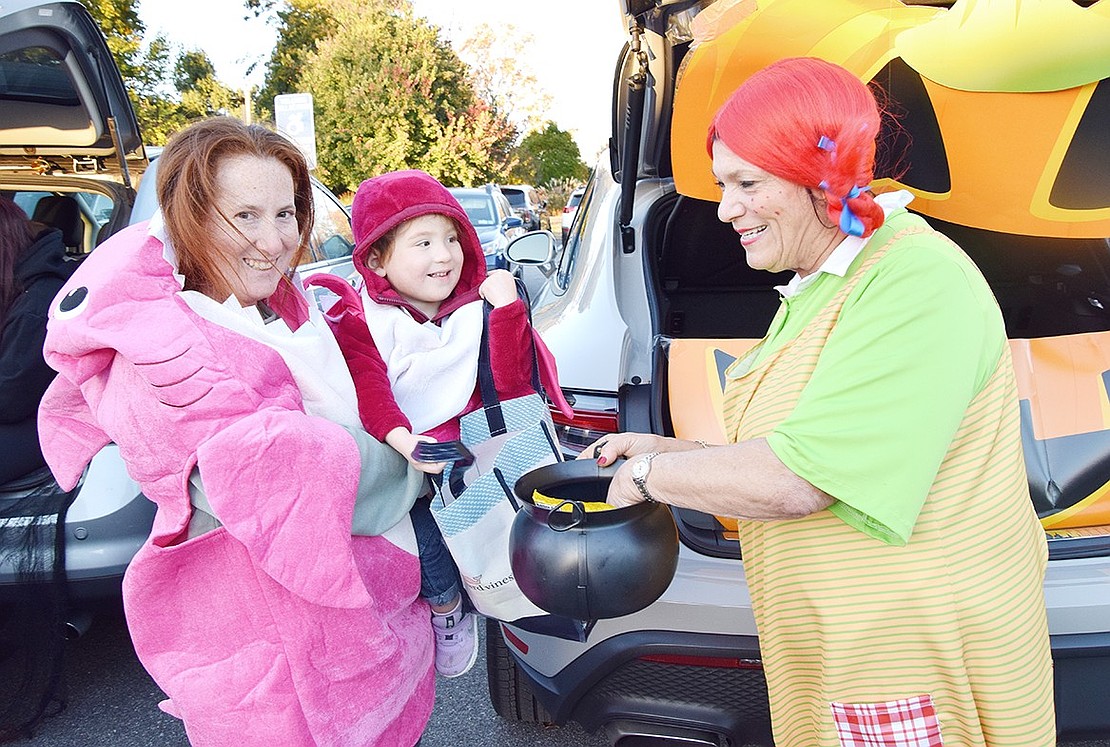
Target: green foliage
(202, 94)
(144, 72)
(191, 68)
(301, 24)
(166, 93)
(389, 94)
(547, 155)
(120, 22)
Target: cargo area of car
(1045, 286)
(705, 286)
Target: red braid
(812, 123)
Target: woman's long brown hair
(187, 194)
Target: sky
(576, 43)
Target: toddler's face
(424, 263)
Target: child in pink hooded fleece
(251, 604)
(411, 336)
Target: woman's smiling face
(777, 220)
(254, 224)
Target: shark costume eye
(73, 304)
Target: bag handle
(491, 403)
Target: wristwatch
(640, 470)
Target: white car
(650, 297)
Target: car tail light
(583, 428)
(513, 639)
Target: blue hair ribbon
(849, 221)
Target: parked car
(70, 156)
(650, 298)
(526, 204)
(492, 215)
(570, 209)
(61, 100)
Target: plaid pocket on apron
(910, 722)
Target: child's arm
(510, 336)
(377, 407)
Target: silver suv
(650, 298)
(69, 138)
(527, 205)
(70, 156)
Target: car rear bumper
(663, 680)
(658, 680)
(97, 551)
(1081, 668)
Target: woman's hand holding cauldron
(606, 450)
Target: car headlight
(497, 245)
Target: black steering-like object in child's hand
(444, 451)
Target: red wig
(812, 123)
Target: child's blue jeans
(439, 577)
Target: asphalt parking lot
(112, 702)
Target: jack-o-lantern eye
(74, 302)
(1081, 183)
(910, 146)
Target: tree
(202, 94)
(301, 24)
(502, 75)
(390, 94)
(145, 72)
(548, 155)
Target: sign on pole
(294, 119)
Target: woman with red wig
(893, 556)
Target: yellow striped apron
(957, 614)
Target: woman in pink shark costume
(271, 606)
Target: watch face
(640, 468)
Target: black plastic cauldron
(589, 565)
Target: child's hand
(405, 442)
(499, 288)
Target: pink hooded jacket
(381, 204)
(278, 628)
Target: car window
(565, 270)
(479, 208)
(80, 224)
(36, 74)
(331, 233)
(515, 197)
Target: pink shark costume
(279, 627)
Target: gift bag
(475, 506)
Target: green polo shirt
(917, 339)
